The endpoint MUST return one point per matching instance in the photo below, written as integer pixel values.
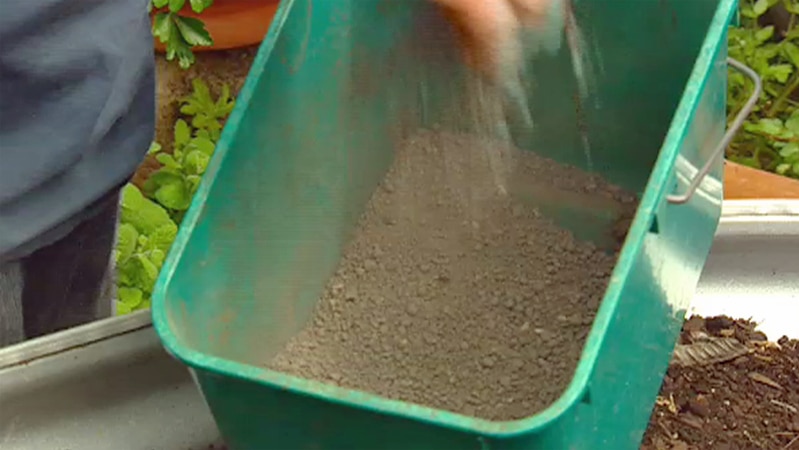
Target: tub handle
(728, 136)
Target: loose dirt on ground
(749, 402)
(453, 295)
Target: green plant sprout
(208, 115)
(149, 218)
(178, 33)
(173, 185)
(770, 137)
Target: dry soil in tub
(453, 295)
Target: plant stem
(775, 107)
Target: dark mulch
(748, 403)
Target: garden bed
(216, 69)
(193, 105)
(744, 397)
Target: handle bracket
(728, 135)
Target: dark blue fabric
(77, 111)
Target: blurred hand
(488, 28)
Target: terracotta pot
(742, 182)
(232, 23)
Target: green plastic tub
(327, 99)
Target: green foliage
(178, 33)
(140, 212)
(175, 183)
(149, 220)
(770, 137)
(146, 233)
(207, 114)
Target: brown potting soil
(750, 402)
(453, 295)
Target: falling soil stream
(454, 295)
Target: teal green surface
(334, 88)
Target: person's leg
(68, 282)
(11, 330)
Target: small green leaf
(793, 33)
(791, 6)
(150, 270)
(160, 3)
(127, 238)
(123, 309)
(780, 72)
(765, 52)
(176, 5)
(131, 297)
(792, 124)
(182, 132)
(224, 97)
(194, 183)
(203, 121)
(165, 27)
(185, 56)
(748, 12)
(163, 237)
(157, 256)
(202, 133)
(124, 278)
(141, 212)
(765, 126)
(193, 31)
(173, 196)
(162, 27)
(201, 93)
(199, 6)
(190, 108)
(791, 52)
(168, 161)
(203, 144)
(155, 147)
(160, 178)
(760, 7)
(790, 150)
(196, 162)
(764, 34)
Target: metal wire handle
(728, 136)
